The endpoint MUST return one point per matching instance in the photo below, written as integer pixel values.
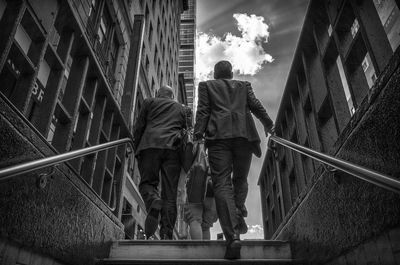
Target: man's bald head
(165, 92)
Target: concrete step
(197, 262)
(196, 252)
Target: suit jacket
(224, 112)
(159, 124)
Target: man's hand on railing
(270, 130)
(199, 141)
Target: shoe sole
(156, 204)
(151, 223)
(242, 226)
(233, 252)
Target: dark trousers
(230, 161)
(154, 163)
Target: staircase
(196, 252)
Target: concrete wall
(65, 220)
(384, 249)
(11, 253)
(337, 212)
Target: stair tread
(197, 249)
(197, 261)
(199, 242)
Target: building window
(52, 129)
(147, 16)
(106, 43)
(155, 56)
(294, 192)
(354, 28)
(103, 28)
(92, 9)
(23, 39)
(158, 69)
(152, 86)
(112, 56)
(389, 15)
(365, 64)
(109, 44)
(9, 76)
(143, 53)
(65, 78)
(150, 33)
(168, 75)
(369, 70)
(147, 65)
(330, 30)
(345, 86)
(158, 26)
(3, 5)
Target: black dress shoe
(152, 219)
(165, 237)
(233, 249)
(241, 226)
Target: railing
(360, 172)
(12, 171)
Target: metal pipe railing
(11, 171)
(360, 172)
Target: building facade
(73, 75)
(158, 34)
(341, 80)
(187, 52)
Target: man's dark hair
(223, 69)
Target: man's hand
(197, 137)
(270, 130)
(198, 141)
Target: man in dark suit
(224, 118)
(157, 138)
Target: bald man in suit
(157, 138)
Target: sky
(259, 38)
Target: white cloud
(254, 232)
(252, 27)
(245, 52)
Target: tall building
(187, 54)
(158, 34)
(73, 75)
(341, 99)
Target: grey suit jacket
(159, 124)
(224, 112)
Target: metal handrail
(11, 171)
(360, 172)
